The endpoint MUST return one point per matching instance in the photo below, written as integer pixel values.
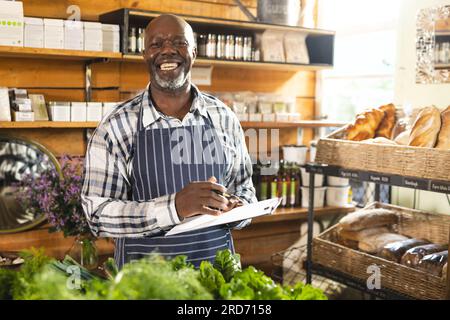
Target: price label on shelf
(440, 186)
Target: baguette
(426, 127)
(368, 218)
(365, 125)
(443, 141)
(387, 124)
(361, 234)
(375, 243)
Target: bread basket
(407, 281)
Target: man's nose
(168, 47)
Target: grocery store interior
(344, 107)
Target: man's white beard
(174, 84)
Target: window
(364, 56)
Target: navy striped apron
(158, 173)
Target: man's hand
(200, 198)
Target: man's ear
(194, 53)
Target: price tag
(349, 174)
(379, 178)
(440, 186)
(415, 183)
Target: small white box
(108, 107)
(268, 117)
(5, 109)
(111, 37)
(94, 111)
(11, 23)
(33, 35)
(54, 33)
(60, 111)
(22, 104)
(73, 35)
(78, 111)
(257, 117)
(282, 117)
(294, 116)
(242, 116)
(23, 116)
(93, 36)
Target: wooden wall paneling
(58, 141)
(90, 10)
(41, 73)
(54, 243)
(106, 75)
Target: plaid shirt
(107, 189)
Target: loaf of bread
(365, 125)
(443, 141)
(375, 243)
(368, 218)
(387, 124)
(380, 140)
(403, 138)
(434, 263)
(412, 257)
(394, 251)
(361, 234)
(426, 127)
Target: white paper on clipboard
(248, 211)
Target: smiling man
(169, 153)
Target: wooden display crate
(427, 163)
(400, 278)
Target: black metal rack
(378, 178)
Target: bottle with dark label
(294, 188)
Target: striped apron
(158, 173)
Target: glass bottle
(238, 48)
(220, 49)
(274, 193)
(139, 42)
(247, 51)
(202, 42)
(211, 46)
(294, 188)
(132, 41)
(84, 251)
(229, 47)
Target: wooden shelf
(25, 52)
(294, 124)
(46, 124)
(93, 124)
(234, 24)
(244, 64)
(442, 33)
(286, 214)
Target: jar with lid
(202, 42)
(238, 47)
(220, 49)
(132, 40)
(247, 50)
(229, 47)
(211, 46)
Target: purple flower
(58, 197)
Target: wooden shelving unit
(44, 53)
(286, 214)
(442, 66)
(200, 61)
(93, 125)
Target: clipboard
(248, 211)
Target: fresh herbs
(149, 278)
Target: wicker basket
(383, 158)
(394, 276)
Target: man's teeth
(168, 66)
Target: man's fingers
(212, 212)
(210, 202)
